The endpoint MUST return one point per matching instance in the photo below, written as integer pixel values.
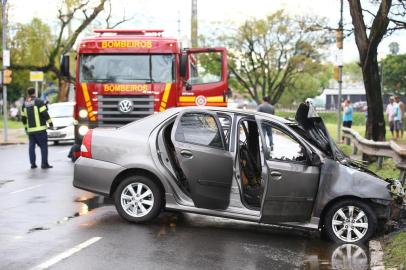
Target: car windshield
(56, 111)
(125, 68)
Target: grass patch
(332, 130)
(395, 251)
(11, 123)
(329, 117)
(388, 169)
(347, 149)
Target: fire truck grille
(109, 113)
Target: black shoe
(46, 166)
(34, 166)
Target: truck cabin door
(204, 77)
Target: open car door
(292, 179)
(204, 77)
(203, 158)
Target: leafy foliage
(394, 67)
(268, 56)
(352, 72)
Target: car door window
(200, 129)
(204, 67)
(281, 145)
(225, 122)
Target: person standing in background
(389, 113)
(266, 107)
(347, 113)
(398, 111)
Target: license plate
(54, 134)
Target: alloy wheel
(349, 256)
(350, 223)
(137, 199)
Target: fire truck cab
(125, 75)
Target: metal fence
(379, 149)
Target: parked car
(360, 106)
(218, 161)
(63, 122)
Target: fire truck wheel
(138, 199)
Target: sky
(174, 16)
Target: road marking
(66, 254)
(24, 189)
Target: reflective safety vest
(34, 115)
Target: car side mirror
(188, 85)
(182, 65)
(314, 159)
(65, 66)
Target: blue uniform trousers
(39, 138)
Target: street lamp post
(3, 22)
(340, 38)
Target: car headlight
(83, 130)
(83, 113)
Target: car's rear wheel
(138, 199)
(350, 221)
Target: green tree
(394, 73)
(352, 72)
(367, 39)
(307, 86)
(268, 56)
(372, 21)
(394, 47)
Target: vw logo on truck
(125, 106)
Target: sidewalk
(15, 136)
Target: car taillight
(86, 147)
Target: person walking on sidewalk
(35, 118)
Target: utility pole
(178, 21)
(193, 35)
(4, 25)
(339, 62)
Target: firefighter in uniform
(35, 118)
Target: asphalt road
(45, 223)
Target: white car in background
(63, 122)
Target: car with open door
(237, 164)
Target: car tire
(350, 221)
(138, 199)
(56, 142)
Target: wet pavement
(46, 223)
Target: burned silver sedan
(236, 164)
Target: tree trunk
(375, 126)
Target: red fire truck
(124, 75)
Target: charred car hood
(313, 129)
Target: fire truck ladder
(158, 32)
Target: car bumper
(95, 175)
(63, 134)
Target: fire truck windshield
(127, 68)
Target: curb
(11, 143)
(376, 255)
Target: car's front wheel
(138, 199)
(350, 221)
